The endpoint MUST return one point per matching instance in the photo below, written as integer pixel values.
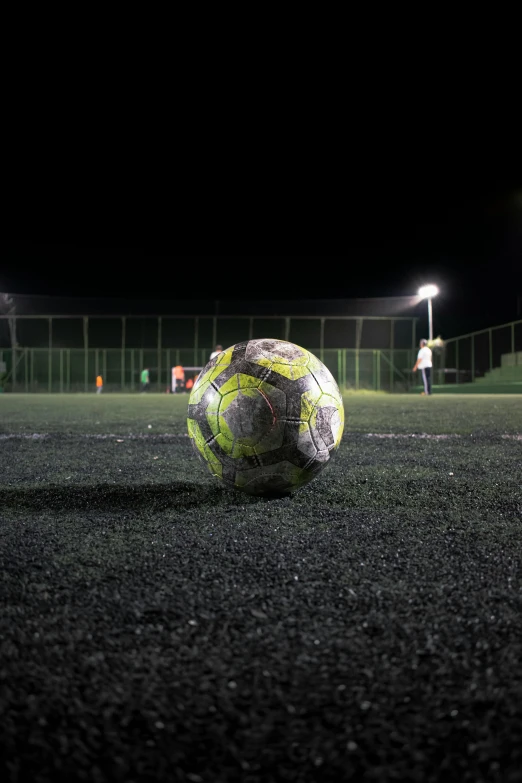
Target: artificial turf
(157, 626)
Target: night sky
(467, 241)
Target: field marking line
(406, 435)
(176, 436)
(92, 436)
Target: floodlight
(427, 291)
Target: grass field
(157, 626)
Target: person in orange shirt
(189, 384)
(99, 384)
(178, 378)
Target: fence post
(392, 351)
(85, 351)
(287, 329)
(356, 368)
(50, 358)
(358, 332)
(379, 371)
(158, 361)
(457, 361)
(122, 358)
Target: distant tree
(436, 344)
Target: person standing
(145, 381)
(424, 364)
(217, 350)
(178, 379)
(99, 384)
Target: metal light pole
(430, 320)
(428, 292)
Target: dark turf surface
(157, 627)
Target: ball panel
(325, 380)
(203, 450)
(267, 352)
(327, 420)
(272, 439)
(305, 441)
(309, 400)
(212, 412)
(198, 390)
(289, 371)
(231, 447)
(239, 380)
(210, 373)
(251, 415)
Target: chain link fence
(58, 353)
(65, 370)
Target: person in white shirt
(218, 349)
(424, 364)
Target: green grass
(365, 412)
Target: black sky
(468, 241)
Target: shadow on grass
(110, 497)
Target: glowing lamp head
(427, 291)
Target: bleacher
(509, 372)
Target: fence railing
(66, 370)
(470, 356)
(192, 332)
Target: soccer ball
(265, 416)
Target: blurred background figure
(424, 364)
(217, 350)
(178, 379)
(99, 384)
(145, 380)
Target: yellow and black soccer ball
(265, 416)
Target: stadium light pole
(428, 292)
